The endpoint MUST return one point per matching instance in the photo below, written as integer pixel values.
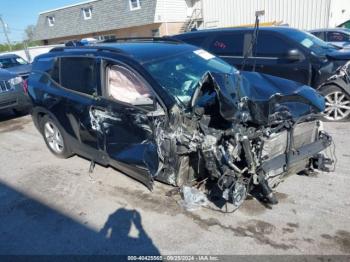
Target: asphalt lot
(54, 206)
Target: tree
(29, 33)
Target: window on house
(155, 32)
(51, 20)
(79, 74)
(134, 4)
(87, 12)
(105, 37)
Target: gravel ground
(54, 206)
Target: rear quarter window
(48, 66)
(196, 41)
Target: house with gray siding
(105, 19)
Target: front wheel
(54, 138)
(337, 103)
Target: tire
(337, 104)
(54, 137)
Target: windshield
(316, 45)
(8, 62)
(181, 73)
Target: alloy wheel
(337, 106)
(53, 137)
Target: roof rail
(97, 47)
(93, 47)
(143, 38)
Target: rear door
(79, 78)
(271, 57)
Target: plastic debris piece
(192, 198)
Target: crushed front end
(242, 135)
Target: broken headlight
(15, 81)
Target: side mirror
(295, 55)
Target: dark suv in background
(13, 92)
(284, 52)
(15, 64)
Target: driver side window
(123, 85)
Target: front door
(128, 121)
(271, 57)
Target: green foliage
(17, 46)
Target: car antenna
(254, 40)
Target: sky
(18, 14)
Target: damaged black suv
(164, 110)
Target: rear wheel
(337, 103)
(54, 138)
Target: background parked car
(284, 52)
(15, 64)
(336, 36)
(12, 92)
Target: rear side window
(227, 44)
(270, 45)
(79, 74)
(196, 41)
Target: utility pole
(5, 32)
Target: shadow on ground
(29, 227)
(7, 114)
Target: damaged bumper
(241, 144)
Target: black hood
(6, 75)
(258, 98)
(21, 70)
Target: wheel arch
(338, 83)
(38, 113)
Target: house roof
(67, 6)
(106, 15)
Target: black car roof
(281, 29)
(142, 51)
(8, 56)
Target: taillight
(25, 86)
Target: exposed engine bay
(239, 135)
(236, 145)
